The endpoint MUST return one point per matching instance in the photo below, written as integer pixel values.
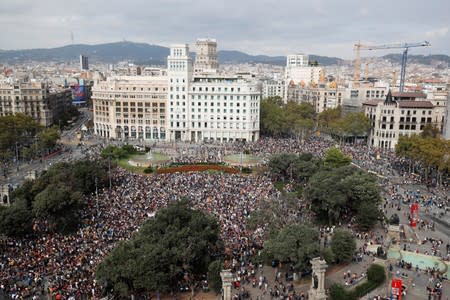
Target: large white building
(297, 60)
(209, 107)
(299, 72)
(175, 105)
(131, 107)
(179, 72)
(223, 109)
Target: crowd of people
(64, 265)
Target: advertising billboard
(78, 94)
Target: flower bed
(197, 168)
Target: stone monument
(5, 194)
(227, 281)
(317, 290)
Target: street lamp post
(17, 157)
(109, 169)
(96, 194)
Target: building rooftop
(415, 104)
(409, 95)
(403, 103)
(372, 102)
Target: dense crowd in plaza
(64, 265)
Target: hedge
(148, 170)
(197, 168)
(376, 276)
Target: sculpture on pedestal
(317, 290)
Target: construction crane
(405, 46)
(366, 71)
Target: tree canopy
(292, 166)
(351, 125)
(177, 245)
(296, 244)
(338, 194)
(280, 119)
(23, 138)
(334, 158)
(59, 206)
(55, 197)
(343, 245)
(432, 151)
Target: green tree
(430, 130)
(343, 245)
(375, 277)
(299, 118)
(368, 214)
(296, 244)
(24, 195)
(356, 124)
(327, 117)
(376, 273)
(60, 206)
(176, 245)
(18, 131)
(339, 192)
(433, 152)
(305, 166)
(15, 221)
(338, 292)
(334, 158)
(280, 165)
(48, 137)
(214, 279)
(85, 174)
(118, 269)
(272, 118)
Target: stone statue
(317, 290)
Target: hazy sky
(324, 27)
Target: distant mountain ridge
(143, 53)
(139, 53)
(419, 59)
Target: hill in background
(142, 53)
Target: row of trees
(428, 148)
(292, 119)
(54, 199)
(23, 138)
(289, 119)
(177, 246)
(347, 127)
(335, 190)
(298, 244)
